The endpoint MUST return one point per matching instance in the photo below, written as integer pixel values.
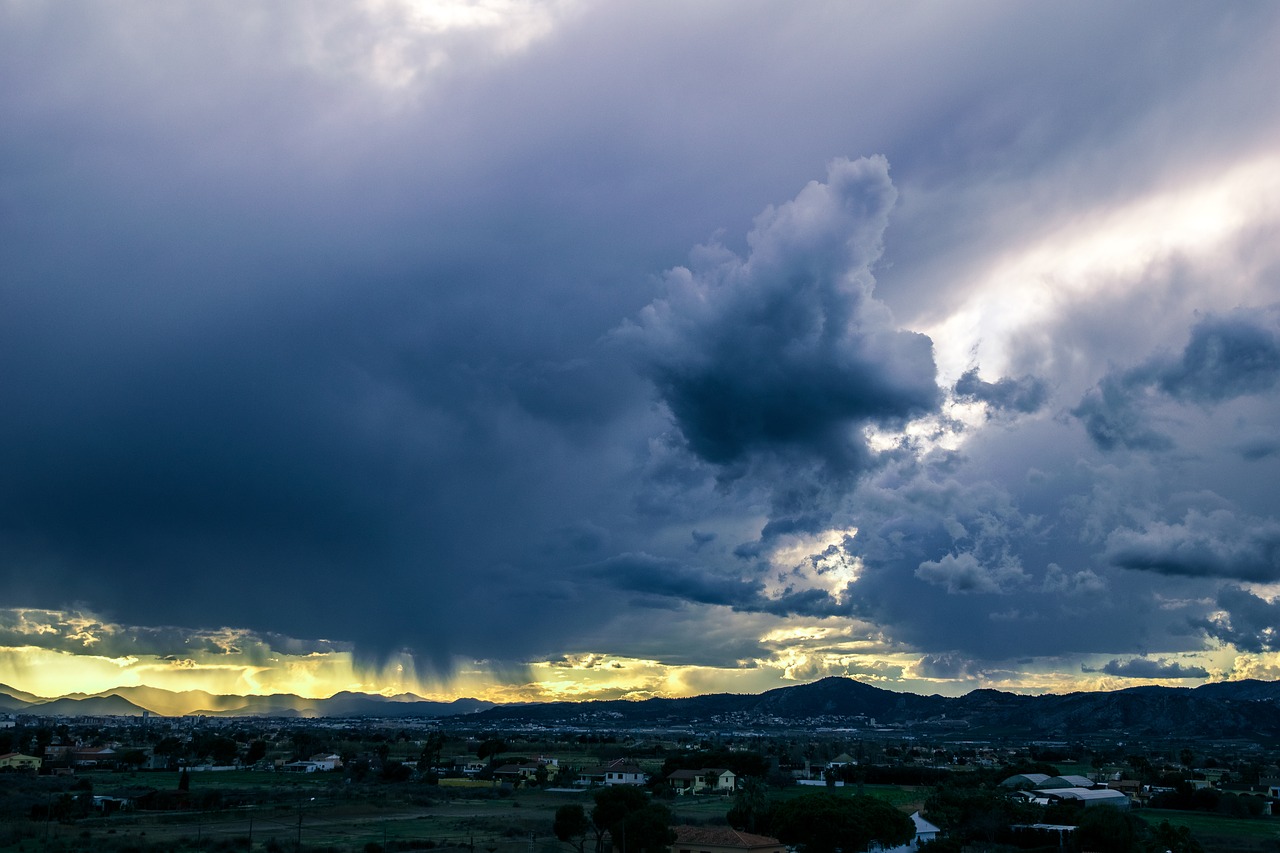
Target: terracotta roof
(723, 836)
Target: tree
(429, 757)
(491, 749)
(1141, 766)
(571, 825)
(395, 771)
(646, 830)
(169, 747)
(750, 807)
(821, 823)
(257, 752)
(133, 758)
(1109, 830)
(976, 814)
(741, 763)
(613, 805)
(217, 748)
(1170, 839)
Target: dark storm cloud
(1024, 395)
(678, 584)
(1149, 668)
(1227, 356)
(1113, 419)
(1245, 620)
(786, 350)
(1216, 544)
(954, 559)
(305, 333)
(1260, 447)
(657, 576)
(701, 539)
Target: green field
(327, 814)
(1220, 834)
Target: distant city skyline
(567, 349)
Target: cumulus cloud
(330, 306)
(1215, 544)
(1149, 668)
(965, 573)
(1245, 620)
(1021, 395)
(85, 632)
(944, 666)
(1085, 582)
(786, 350)
(1227, 356)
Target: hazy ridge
(1225, 709)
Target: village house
(617, 772)
(326, 761)
(94, 756)
(528, 769)
(708, 780)
(300, 767)
(18, 761)
(722, 839)
(468, 766)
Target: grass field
(1220, 834)
(324, 813)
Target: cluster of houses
(621, 771)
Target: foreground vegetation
(399, 789)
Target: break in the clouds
(762, 342)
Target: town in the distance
(835, 765)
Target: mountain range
(133, 701)
(1232, 709)
(1237, 709)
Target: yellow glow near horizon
(801, 654)
(233, 662)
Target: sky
(571, 349)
